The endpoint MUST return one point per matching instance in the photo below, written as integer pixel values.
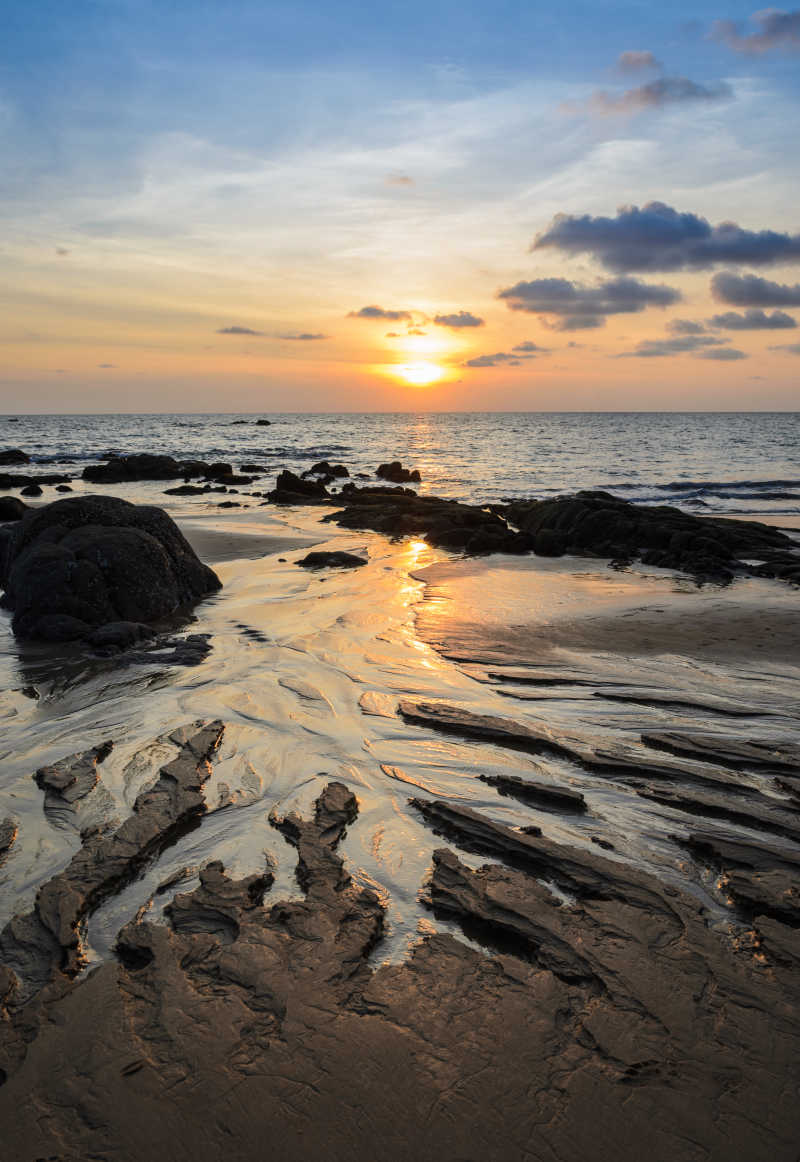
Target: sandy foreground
(461, 860)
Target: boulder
(263, 423)
(325, 468)
(80, 564)
(32, 490)
(395, 472)
(331, 560)
(11, 508)
(14, 456)
(292, 489)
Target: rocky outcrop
(14, 456)
(602, 525)
(147, 466)
(76, 565)
(397, 474)
(293, 489)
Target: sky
(342, 206)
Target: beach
(492, 857)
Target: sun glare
(420, 374)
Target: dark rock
(63, 488)
(81, 563)
(331, 560)
(395, 472)
(253, 468)
(188, 490)
(774, 755)
(21, 480)
(229, 504)
(140, 466)
(323, 468)
(14, 456)
(32, 490)
(292, 489)
(541, 794)
(119, 635)
(11, 508)
(263, 423)
(8, 833)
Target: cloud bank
(577, 307)
(657, 237)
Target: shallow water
(306, 671)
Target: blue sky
(175, 170)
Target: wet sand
(451, 968)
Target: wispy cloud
(303, 337)
(678, 345)
(635, 61)
(238, 331)
(792, 348)
(577, 307)
(657, 237)
(653, 95)
(724, 354)
(379, 313)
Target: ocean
(722, 462)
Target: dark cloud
(752, 320)
(792, 348)
(654, 95)
(679, 345)
(723, 353)
(499, 357)
(238, 331)
(379, 313)
(686, 327)
(303, 337)
(657, 237)
(526, 347)
(578, 308)
(748, 290)
(461, 319)
(399, 179)
(776, 29)
(636, 61)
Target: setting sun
(420, 374)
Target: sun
(419, 374)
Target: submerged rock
(332, 560)
(86, 562)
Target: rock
(397, 473)
(331, 560)
(8, 833)
(119, 635)
(540, 794)
(11, 508)
(14, 456)
(188, 490)
(253, 468)
(32, 490)
(292, 489)
(323, 468)
(140, 466)
(78, 564)
(22, 480)
(63, 488)
(263, 423)
(774, 755)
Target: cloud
(654, 95)
(680, 345)
(399, 179)
(657, 237)
(752, 320)
(748, 290)
(723, 353)
(499, 357)
(685, 327)
(238, 331)
(62, 251)
(462, 319)
(578, 307)
(526, 347)
(303, 337)
(776, 29)
(394, 335)
(792, 348)
(379, 313)
(636, 61)
(415, 331)
(106, 365)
